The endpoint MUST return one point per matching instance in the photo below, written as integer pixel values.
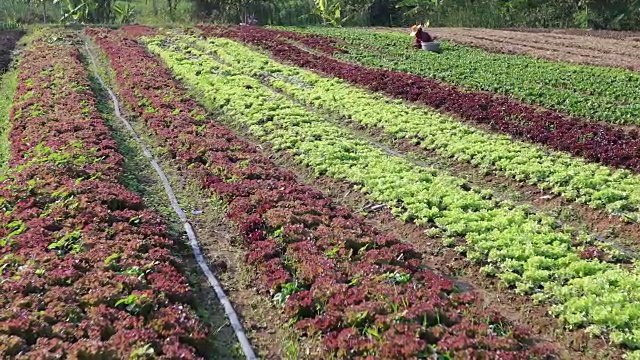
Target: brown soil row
(555, 46)
(543, 50)
(597, 45)
(605, 34)
(566, 48)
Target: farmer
(250, 21)
(420, 36)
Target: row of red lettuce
(86, 271)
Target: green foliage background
(597, 14)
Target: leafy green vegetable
(524, 249)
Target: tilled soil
(605, 34)
(555, 46)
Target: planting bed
(86, 271)
(606, 34)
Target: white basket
(431, 46)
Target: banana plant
(76, 13)
(330, 11)
(125, 14)
(87, 11)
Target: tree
(88, 11)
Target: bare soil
(606, 34)
(554, 46)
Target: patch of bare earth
(606, 34)
(550, 46)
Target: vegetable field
(341, 194)
(558, 46)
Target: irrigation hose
(197, 252)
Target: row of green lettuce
(600, 93)
(522, 248)
(617, 192)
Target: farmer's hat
(414, 29)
